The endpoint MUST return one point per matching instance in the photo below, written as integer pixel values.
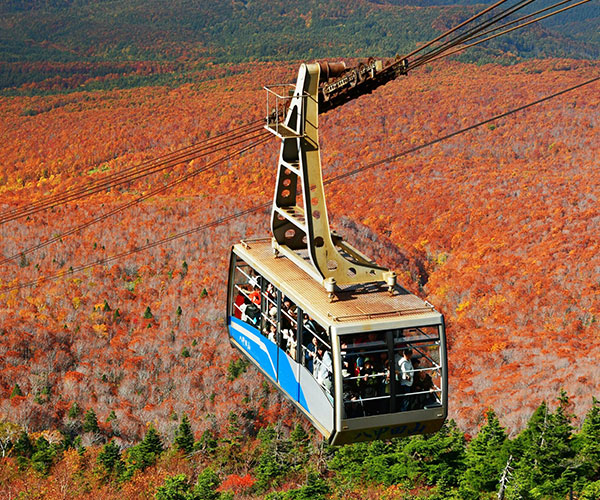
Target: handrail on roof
(399, 312)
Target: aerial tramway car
(358, 354)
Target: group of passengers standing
(367, 388)
(315, 355)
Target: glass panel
(374, 386)
(366, 374)
(418, 370)
(246, 305)
(289, 327)
(315, 352)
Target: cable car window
(289, 327)
(366, 374)
(315, 352)
(246, 305)
(418, 367)
(373, 386)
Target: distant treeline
(246, 30)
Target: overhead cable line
(261, 140)
(463, 47)
(148, 167)
(455, 28)
(469, 34)
(263, 206)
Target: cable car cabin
(341, 362)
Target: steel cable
(263, 206)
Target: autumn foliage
(497, 227)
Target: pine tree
(74, 411)
(147, 452)
(44, 454)
(90, 421)
(148, 313)
(439, 458)
(175, 488)
(545, 451)
(23, 447)
(588, 442)
(184, 438)
(207, 484)
(110, 458)
(485, 458)
(16, 391)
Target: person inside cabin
(272, 336)
(422, 383)
(352, 401)
(254, 296)
(368, 387)
(405, 374)
(292, 345)
(383, 389)
(323, 368)
(237, 308)
(310, 354)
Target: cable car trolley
(359, 355)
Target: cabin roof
(356, 305)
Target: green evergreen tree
(148, 313)
(16, 391)
(74, 411)
(90, 421)
(485, 458)
(438, 458)
(175, 488)
(23, 446)
(43, 456)
(110, 458)
(544, 452)
(184, 437)
(206, 485)
(588, 443)
(106, 307)
(147, 452)
(269, 467)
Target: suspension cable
(263, 206)
(265, 136)
(133, 173)
(452, 30)
(458, 49)
(471, 33)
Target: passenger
(292, 345)
(323, 368)
(310, 354)
(239, 301)
(283, 339)
(405, 373)
(254, 296)
(383, 389)
(422, 383)
(272, 333)
(252, 314)
(368, 387)
(310, 325)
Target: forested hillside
(120, 44)
(495, 227)
(116, 376)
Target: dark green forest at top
(246, 30)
